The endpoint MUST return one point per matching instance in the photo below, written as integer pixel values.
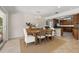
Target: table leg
(36, 40)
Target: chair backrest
(25, 32)
(48, 31)
(53, 31)
(52, 28)
(28, 38)
(25, 35)
(41, 33)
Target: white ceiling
(39, 10)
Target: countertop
(59, 26)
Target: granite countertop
(65, 26)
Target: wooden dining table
(35, 31)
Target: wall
(35, 20)
(15, 25)
(18, 21)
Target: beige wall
(35, 20)
(17, 22)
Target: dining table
(36, 31)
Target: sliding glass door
(3, 27)
(1, 30)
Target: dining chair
(28, 38)
(41, 35)
(48, 34)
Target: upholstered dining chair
(28, 38)
(50, 33)
(54, 34)
(41, 35)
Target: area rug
(44, 47)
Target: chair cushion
(48, 35)
(30, 39)
(41, 37)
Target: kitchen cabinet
(66, 22)
(76, 24)
(76, 33)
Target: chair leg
(25, 44)
(53, 37)
(45, 39)
(40, 41)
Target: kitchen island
(66, 28)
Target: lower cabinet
(76, 33)
(58, 31)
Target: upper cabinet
(75, 19)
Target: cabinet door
(75, 22)
(78, 34)
(75, 19)
(66, 22)
(75, 33)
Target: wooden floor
(44, 47)
(69, 46)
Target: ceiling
(39, 10)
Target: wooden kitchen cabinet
(75, 33)
(75, 29)
(66, 22)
